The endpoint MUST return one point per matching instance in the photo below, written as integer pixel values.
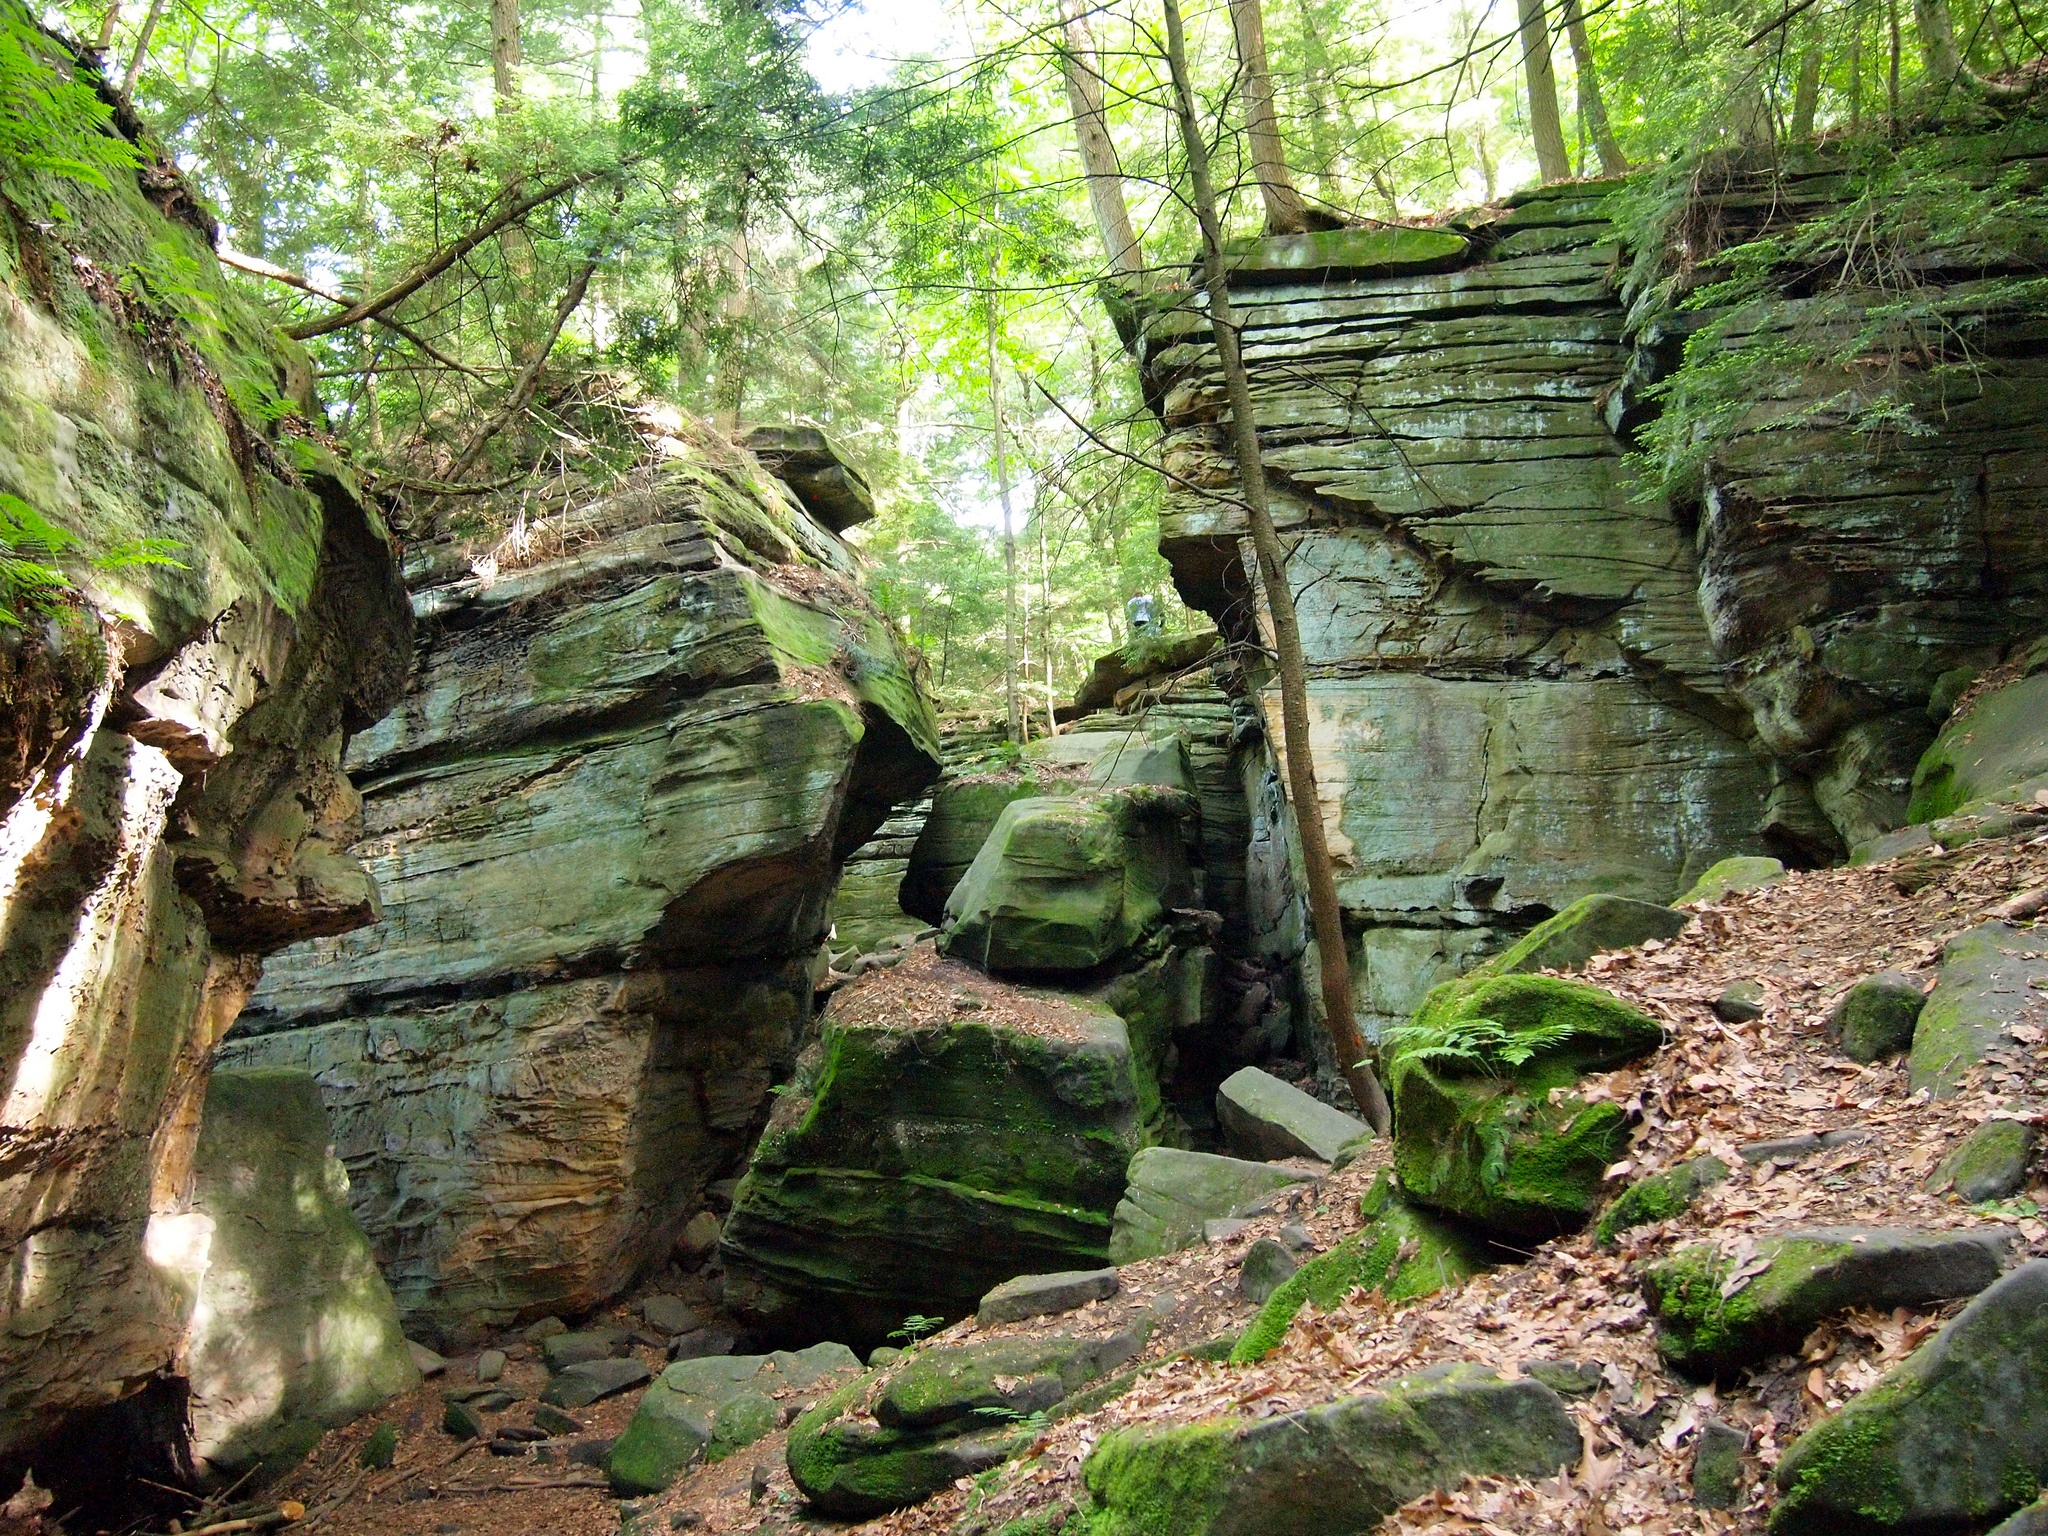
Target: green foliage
(1471, 1044)
(917, 1327)
(28, 541)
(52, 121)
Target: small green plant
(381, 1449)
(1469, 1045)
(917, 1327)
(51, 120)
(29, 584)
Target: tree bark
(505, 55)
(529, 376)
(995, 406)
(1591, 105)
(149, 21)
(1081, 63)
(1806, 94)
(1553, 160)
(1285, 213)
(1326, 918)
(1944, 59)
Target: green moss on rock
(1659, 1197)
(1747, 872)
(1874, 1019)
(1589, 926)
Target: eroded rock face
(606, 820)
(170, 738)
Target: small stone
(584, 1383)
(1991, 1164)
(699, 1238)
(429, 1363)
(1264, 1118)
(884, 1354)
(1659, 1196)
(669, 1315)
(1740, 1002)
(1567, 1378)
(463, 1422)
(1045, 1295)
(684, 1520)
(545, 1329)
(490, 1365)
(504, 1447)
(555, 1422)
(1643, 1425)
(591, 1453)
(1294, 1237)
(1717, 1480)
(1875, 1018)
(1223, 1228)
(380, 1450)
(1791, 1148)
(1163, 1304)
(1267, 1266)
(1722, 880)
(566, 1349)
(492, 1400)
(1172, 1193)
(702, 1342)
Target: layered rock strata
(607, 818)
(171, 802)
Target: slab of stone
(588, 1381)
(1267, 1266)
(1986, 984)
(1265, 1118)
(424, 1360)
(1991, 1164)
(670, 1314)
(2031, 1521)
(712, 1407)
(551, 1419)
(1337, 1468)
(1171, 1193)
(1740, 1002)
(1748, 872)
(1996, 750)
(1953, 1439)
(1720, 1310)
(566, 1349)
(1589, 926)
(699, 1342)
(1659, 1196)
(462, 1421)
(490, 1364)
(1788, 1149)
(1044, 1295)
(543, 1330)
(1874, 1019)
(1223, 1229)
(1717, 1476)
(1567, 1378)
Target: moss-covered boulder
(1659, 1196)
(1997, 749)
(900, 1434)
(1590, 926)
(1070, 884)
(1171, 1193)
(1141, 659)
(1404, 1251)
(1990, 979)
(1746, 872)
(1952, 1440)
(1479, 1129)
(964, 811)
(295, 1331)
(1721, 1310)
(919, 1158)
(713, 1407)
(1874, 1019)
(1332, 1470)
(1991, 1164)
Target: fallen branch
(2025, 905)
(446, 488)
(284, 1514)
(256, 266)
(525, 1485)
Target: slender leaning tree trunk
(1285, 214)
(1612, 161)
(1553, 159)
(995, 407)
(1325, 917)
(1081, 62)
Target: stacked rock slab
(1525, 684)
(224, 684)
(606, 820)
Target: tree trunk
(505, 55)
(1553, 160)
(1285, 214)
(1944, 59)
(995, 407)
(1591, 105)
(156, 9)
(1806, 95)
(1052, 725)
(1081, 63)
(1326, 918)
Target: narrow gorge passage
(742, 744)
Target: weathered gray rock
(1044, 1295)
(490, 1364)
(828, 485)
(1140, 660)
(1719, 1311)
(713, 1407)
(1172, 1193)
(1069, 884)
(670, 1314)
(130, 933)
(1267, 1266)
(1717, 1475)
(1589, 926)
(1991, 1164)
(1740, 1002)
(295, 1331)
(939, 1414)
(606, 819)
(1329, 1470)
(586, 1382)
(1263, 1117)
(912, 1165)
(563, 1350)
(1567, 1378)
(2031, 1521)
(1874, 1019)
(1660, 1196)
(1746, 873)
(1986, 984)
(1996, 750)
(1953, 1439)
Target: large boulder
(1992, 977)
(606, 818)
(1720, 1310)
(1589, 926)
(1951, 1440)
(1071, 884)
(1331, 1470)
(295, 1331)
(925, 1152)
(1485, 1124)
(1996, 749)
(964, 811)
(172, 720)
(1173, 1193)
(1262, 1117)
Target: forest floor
(1714, 1088)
